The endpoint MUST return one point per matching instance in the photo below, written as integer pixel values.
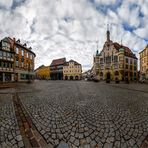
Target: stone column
(3, 77)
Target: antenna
(97, 44)
(107, 27)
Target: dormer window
(25, 45)
(5, 46)
(18, 41)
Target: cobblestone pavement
(9, 130)
(85, 114)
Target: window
(115, 58)
(22, 52)
(8, 55)
(1, 64)
(23, 76)
(1, 53)
(17, 50)
(5, 46)
(4, 54)
(131, 67)
(17, 63)
(10, 65)
(108, 59)
(131, 61)
(101, 61)
(121, 58)
(30, 56)
(126, 60)
(27, 55)
(6, 65)
(126, 66)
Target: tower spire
(108, 33)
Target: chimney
(14, 40)
(25, 45)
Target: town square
(73, 74)
(74, 114)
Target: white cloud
(142, 32)
(6, 3)
(70, 28)
(106, 2)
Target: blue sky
(74, 28)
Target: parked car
(143, 80)
(95, 79)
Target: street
(74, 114)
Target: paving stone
(72, 139)
(19, 138)
(131, 142)
(76, 142)
(117, 144)
(108, 145)
(20, 144)
(104, 113)
(110, 139)
(93, 143)
(63, 145)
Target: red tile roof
(128, 52)
(58, 62)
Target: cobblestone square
(70, 114)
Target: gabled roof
(75, 63)
(58, 62)
(7, 39)
(39, 67)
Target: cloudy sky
(74, 28)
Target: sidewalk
(7, 85)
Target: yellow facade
(144, 62)
(43, 72)
(72, 71)
(114, 62)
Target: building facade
(56, 69)
(24, 62)
(72, 70)
(144, 63)
(42, 72)
(16, 61)
(7, 60)
(115, 62)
